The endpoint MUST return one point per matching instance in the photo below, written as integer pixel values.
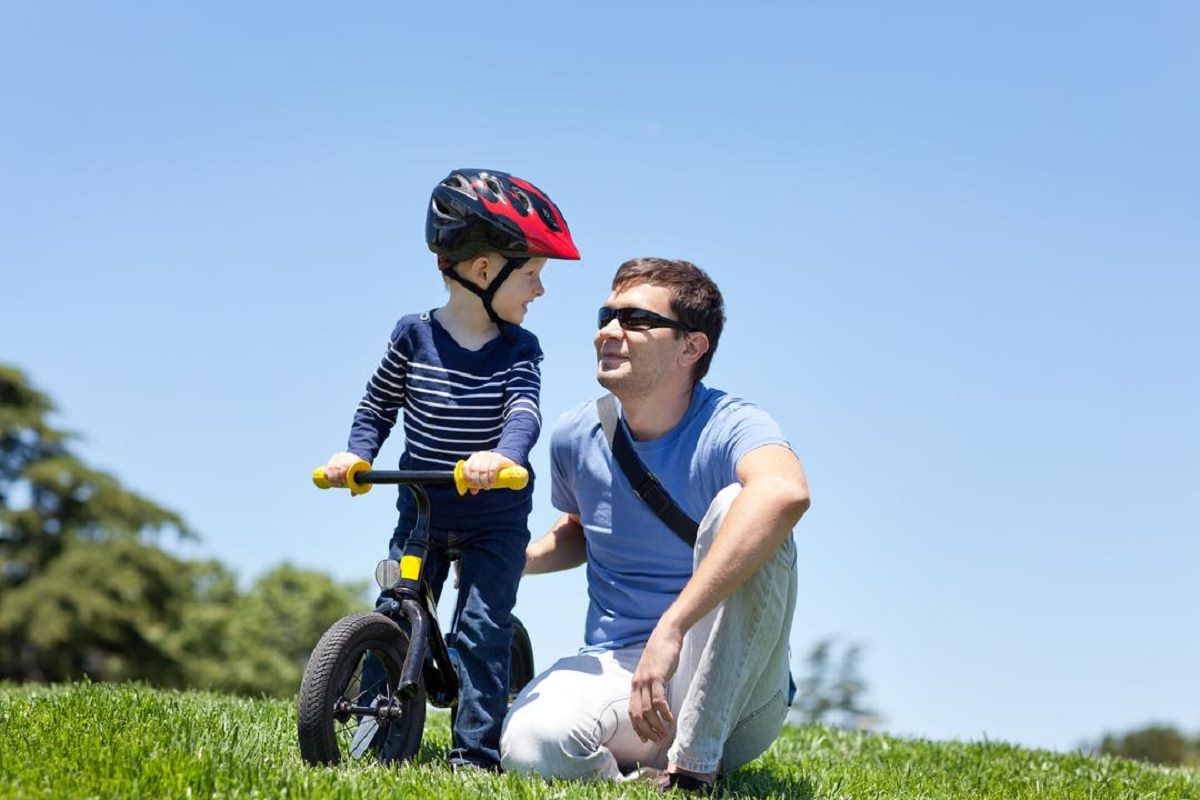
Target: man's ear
(694, 348)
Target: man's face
(631, 364)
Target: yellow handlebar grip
(321, 482)
(512, 478)
(507, 478)
(351, 484)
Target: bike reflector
(387, 574)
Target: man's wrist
(670, 626)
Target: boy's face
(519, 289)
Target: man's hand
(339, 464)
(481, 469)
(648, 708)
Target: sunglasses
(639, 319)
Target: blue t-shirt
(636, 566)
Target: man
(686, 663)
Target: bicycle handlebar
(360, 478)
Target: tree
(1158, 744)
(85, 590)
(258, 642)
(82, 590)
(830, 691)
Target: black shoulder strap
(641, 479)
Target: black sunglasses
(639, 319)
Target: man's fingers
(662, 708)
(636, 712)
(648, 721)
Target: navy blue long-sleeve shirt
(456, 402)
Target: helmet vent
(459, 184)
(494, 185)
(441, 210)
(521, 202)
(548, 218)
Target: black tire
(520, 665)
(333, 677)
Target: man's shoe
(684, 783)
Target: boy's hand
(481, 469)
(339, 463)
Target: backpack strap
(644, 484)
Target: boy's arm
(563, 547)
(522, 415)
(384, 397)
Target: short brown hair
(695, 299)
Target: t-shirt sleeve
(747, 427)
(562, 468)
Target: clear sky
(959, 246)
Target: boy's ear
(480, 271)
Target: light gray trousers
(729, 694)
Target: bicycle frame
(412, 600)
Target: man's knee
(715, 515)
(537, 740)
(525, 746)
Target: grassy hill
(95, 740)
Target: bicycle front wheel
(348, 706)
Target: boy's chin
(516, 316)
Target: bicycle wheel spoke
(358, 733)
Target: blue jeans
(490, 564)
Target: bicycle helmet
(474, 210)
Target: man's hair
(695, 299)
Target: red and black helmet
(473, 210)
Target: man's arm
(563, 547)
(773, 498)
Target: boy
(467, 377)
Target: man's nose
(612, 330)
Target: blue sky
(958, 245)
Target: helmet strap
(486, 295)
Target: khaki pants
(729, 695)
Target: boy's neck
(465, 319)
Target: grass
(94, 740)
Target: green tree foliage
(258, 642)
(49, 499)
(1157, 744)
(830, 690)
(81, 589)
(85, 589)
(100, 608)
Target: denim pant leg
(733, 669)
(491, 562)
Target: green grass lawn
(95, 740)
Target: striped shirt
(455, 402)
